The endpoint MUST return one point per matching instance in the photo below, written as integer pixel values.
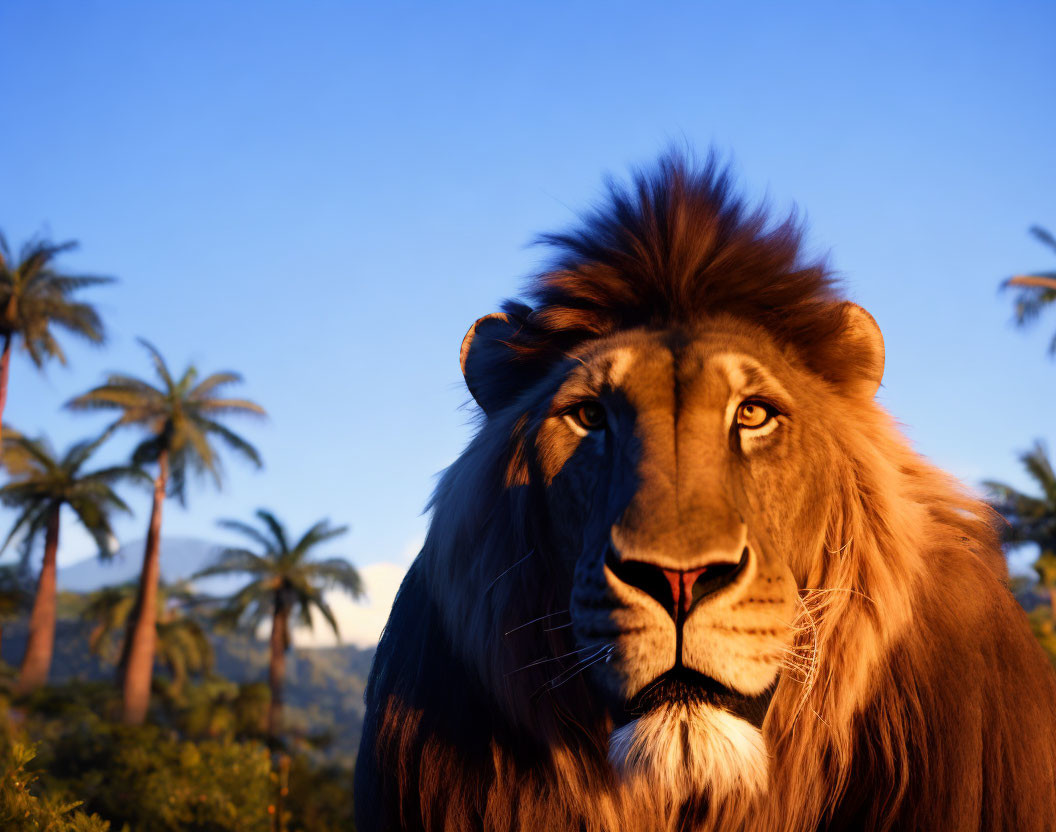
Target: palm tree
(1036, 291)
(34, 297)
(41, 485)
(1032, 520)
(181, 421)
(284, 581)
(182, 643)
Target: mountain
(360, 621)
(181, 557)
(323, 691)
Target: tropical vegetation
(1037, 290)
(285, 581)
(1031, 520)
(35, 298)
(43, 483)
(76, 756)
(182, 422)
(182, 645)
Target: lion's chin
(686, 748)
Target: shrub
(22, 811)
(151, 780)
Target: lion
(689, 575)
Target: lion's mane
(922, 701)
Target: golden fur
(907, 691)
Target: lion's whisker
(583, 669)
(579, 667)
(553, 658)
(804, 657)
(814, 592)
(558, 627)
(506, 570)
(534, 620)
(841, 549)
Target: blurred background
(323, 197)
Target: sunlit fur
(676, 747)
(910, 693)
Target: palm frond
(174, 419)
(211, 384)
(1036, 461)
(28, 454)
(233, 560)
(1044, 236)
(1036, 291)
(38, 297)
(337, 573)
(284, 578)
(45, 483)
(319, 533)
(233, 441)
(26, 521)
(248, 531)
(231, 406)
(160, 368)
(278, 531)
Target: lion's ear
(857, 352)
(493, 374)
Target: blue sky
(325, 195)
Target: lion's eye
(588, 415)
(754, 414)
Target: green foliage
(35, 296)
(22, 811)
(166, 776)
(282, 574)
(1043, 626)
(42, 481)
(182, 644)
(16, 591)
(181, 418)
(151, 779)
(319, 799)
(323, 692)
(220, 709)
(1035, 291)
(1032, 519)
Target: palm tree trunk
(5, 363)
(277, 667)
(139, 658)
(37, 659)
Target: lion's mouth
(683, 686)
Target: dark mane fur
(676, 247)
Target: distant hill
(324, 689)
(181, 557)
(324, 685)
(360, 621)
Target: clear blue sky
(325, 195)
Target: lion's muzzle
(678, 590)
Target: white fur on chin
(687, 749)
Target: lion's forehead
(711, 364)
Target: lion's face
(687, 479)
(681, 471)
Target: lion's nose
(678, 590)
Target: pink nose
(677, 590)
(682, 582)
